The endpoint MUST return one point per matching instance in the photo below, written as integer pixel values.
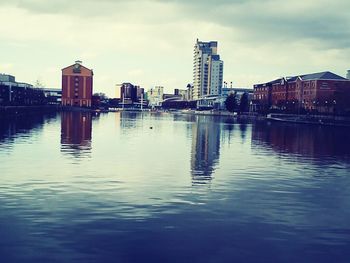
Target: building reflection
(302, 140)
(76, 130)
(128, 119)
(205, 149)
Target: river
(160, 187)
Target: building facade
(322, 92)
(129, 93)
(19, 94)
(183, 93)
(155, 96)
(207, 70)
(53, 96)
(77, 85)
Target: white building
(117, 90)
(155, 96)
(207, 70)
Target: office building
(129, 93)
(53, 96)
(18, 93)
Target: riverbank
(329, 120)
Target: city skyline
(123, 43)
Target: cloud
(257, 39)
(328, 23)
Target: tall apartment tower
(207, 70)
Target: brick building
(77, 85)
(322, 92)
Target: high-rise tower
(207, 70)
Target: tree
(231, 102)
(101, 95)
(244, 104)
(38, 84)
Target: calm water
(132, 187)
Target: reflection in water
(205, 148)
(184, 117)
(301, 140)
(128, 119)
(133, 199)
(19, 126)
(76, 129)
(243, 128)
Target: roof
(326, 75)
(75, 64)
(322, 75)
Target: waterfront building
(217, 102)
(18, 93)
(239, 92)
(155, 96)
(183, 93)
(53, 96)
(118, 88)
(207, 70)
(189, 89)
(322, 92)
(77, 85)
(129, 93)
(348, 74)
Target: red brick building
(77, 85)
(322, 92)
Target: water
(132, 187)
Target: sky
(150, 42)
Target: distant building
(207, 70)
(348, 74)
(53, 96)
(19, 94)
(77, 85)
(322, 92)
(118, 91)
(129, 93)
(130, 96)
(189, 89)
(217, 102)
(182, 93)
(155, 96)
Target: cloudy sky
(150, 42)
